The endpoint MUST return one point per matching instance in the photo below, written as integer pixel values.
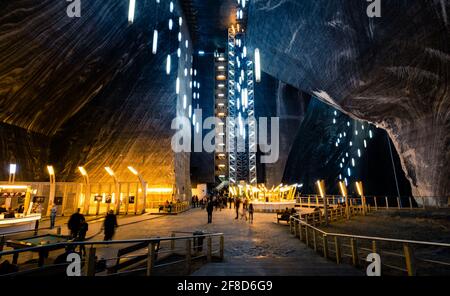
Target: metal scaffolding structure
(241, 123)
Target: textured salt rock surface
(392, 71)
(93, 89)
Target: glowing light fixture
(171, 7)
(133, 170)
(320, 186)
(131, 9)
(170, 24)
(168, 66)
(51, 170)
(359, 188)
(257, 65)
(343, 189)
(82, 171)
(13, 186)
(155, 41)
(12, 168)
(201, 53)
(109, 171)
(180, 21)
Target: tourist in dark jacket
(250, 213)
(109, 225)
(210, 209)
(74, 223)
(84, 227)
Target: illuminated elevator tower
(241, 124)
(221, 112)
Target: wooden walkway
(311, 264)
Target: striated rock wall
(92, 87)
(392, 71)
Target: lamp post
(117, 189)
(51, 199)
(344, 194)
(144, 189)
(12, 173)
(87, 197)
(359, 189)
(321, 188)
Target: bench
(122, 263)
(281, 218)
(167, 209)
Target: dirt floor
(417, 225)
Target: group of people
(8, 212)
(219, 202)
(78, 227)
(195, 201)
(288, 213)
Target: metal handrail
(373, 237)
(320, 238)
(112, 242)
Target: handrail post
(374, 246)
(387, 202)
(150, 258)
(58, 230)
(221, 247)
(410, 203)
(354, 252)
(307, 235)
(295, 228)
(325, 246)
(290, 225)
(399, 205)
(188, 256)
(300, 230)
(90, 266)
(309, 201)
(409, 260)
(172, 242)
(314, 240)
(337, 246)
(209, 254)
(2, 243)
(376, 204)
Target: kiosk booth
(16, 209)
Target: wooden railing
(376, 202)
(354, 249)
(186, 248)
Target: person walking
(244, 212)
(84, 227)
(74, 223)
(53, 212)
(110, 225)
(209, 210)
(236, 205)
(250, 213)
